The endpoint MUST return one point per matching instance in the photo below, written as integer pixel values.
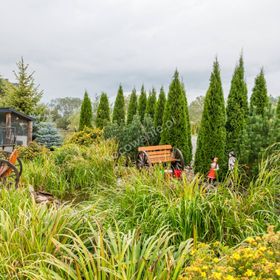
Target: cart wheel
(19, 166)
(179, 163)
(142, 160)
(10, 176)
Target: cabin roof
(22, 115)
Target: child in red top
(212, 176)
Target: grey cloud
(78, 44)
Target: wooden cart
(147, 156)
(10, 170)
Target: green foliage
(151, 104)
(62, 109)
(73, 170)
(212, 134)
(278, 109)
(48, 135)
(25, 96)
(119, 108)
(176, 127)
(189, 132)
(237, 114)
(129, 229)
(132, 135)
(86, 113)
(32, 151)
(142, 103)
(132, 106)
(195, 113)
(263, 131)
(259, 98)
(85, 137)
(103, 112)
(255, 258)
(128, 137)
(158, 119)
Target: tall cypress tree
(103, 111)
(151, 104)
(158, 119)
(175, 128)
(132, 106)
(142, 103)
(86, 113)
(160, 108)
(189, 131)
(259, 98)
(278, 109)
(237, 113)
(212, 134)
(119, 108)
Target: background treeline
(244, 126)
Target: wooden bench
(147, 156)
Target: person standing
(231, 161)
(212, 174)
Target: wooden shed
(15, 128)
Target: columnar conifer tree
(259, 98)
(237, 113)
(278, 109)
(151, 104)
(212, 134)
(159, 112)
(86, 113)
(103, 111)
(119, 108)
(142, 103)
(160, 108)
(175, 127)
(132, 106)
(189, 130)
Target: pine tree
(142, 103)
(103, 112)
(237, 114)
(86, 113)
(259, 98)
(119, 108)
(47, 135)
(25, 96)
(132, 106)
(175, 129)
(151, 104)
(212, 134)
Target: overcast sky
(75, 45)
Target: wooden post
(29, 132)
(8, 128)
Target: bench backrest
(159, 153)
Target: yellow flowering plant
(255, 258)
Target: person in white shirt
(231, 161)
